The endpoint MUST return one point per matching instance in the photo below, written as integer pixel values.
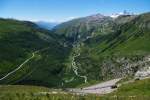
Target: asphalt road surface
(101, 88)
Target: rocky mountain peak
(96, 17)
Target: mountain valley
(76, 53)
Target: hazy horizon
(60, 11)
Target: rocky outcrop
(121, 67)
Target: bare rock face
(121, 67)
(144, 71)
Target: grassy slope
(17, 42)
(130, 40)
(33, 93)
(50, 67)
(86, 26)
(20, 92)
(22, 89)
(138, 88)
(124, 40)
(128, 31)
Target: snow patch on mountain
(115, 15)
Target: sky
(63, 10)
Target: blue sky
(62, 10)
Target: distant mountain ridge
(91, 26)
(46, 25)
(82, 27)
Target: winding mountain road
(21, 65)
(77, 45)
(33, 54)
(74, 65)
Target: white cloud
(44, 19)
(62, 20)
(54, 20)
